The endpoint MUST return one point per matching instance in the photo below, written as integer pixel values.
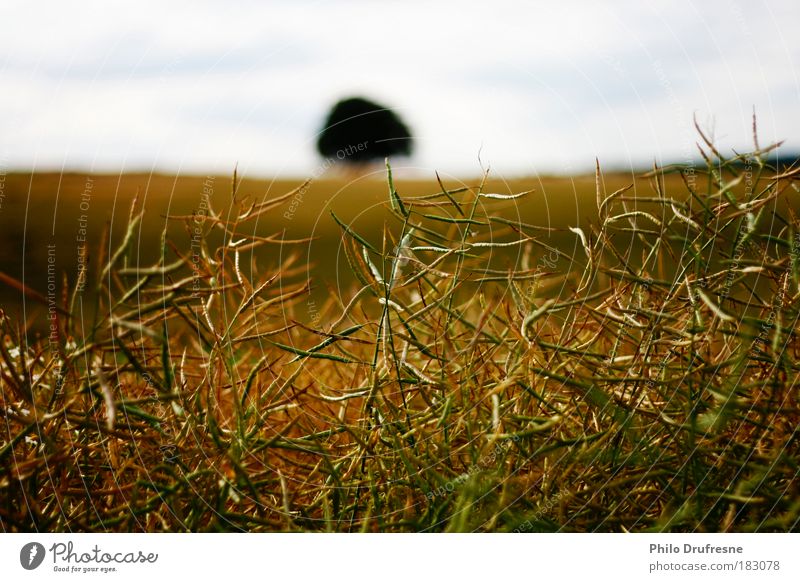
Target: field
(42, 209)
(598, 353)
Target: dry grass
(647, 381)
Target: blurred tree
(359, 131)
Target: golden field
(554, 354)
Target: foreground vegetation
(479, 378)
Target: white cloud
(538, 86)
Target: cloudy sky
(530, 86)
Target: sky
(521, 87)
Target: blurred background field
(55, 209)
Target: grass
(45, 208)
(481, 375)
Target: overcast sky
(533, 86)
